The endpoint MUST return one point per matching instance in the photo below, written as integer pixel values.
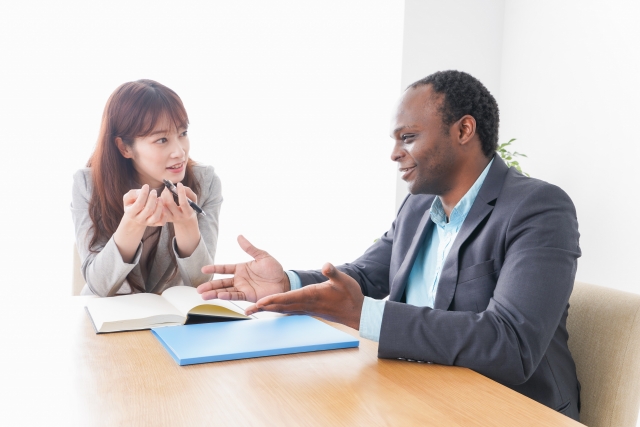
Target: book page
(187, 300)
(124, 308)
(259, 315)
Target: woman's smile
(176, 168)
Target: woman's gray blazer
(105, 272)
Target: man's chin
(415, 189)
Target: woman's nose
(178, 150)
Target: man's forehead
(415, 105)
(421, 97)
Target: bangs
(160, 107)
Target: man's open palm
(251, 280)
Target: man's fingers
(246, 246)
(334, 274)
(216, 285)
(226, 294)
(232, 294)
(219, 269)
(293, 298)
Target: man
(478, 265)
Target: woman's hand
(143, 207)
(184, 219)
(181, 212)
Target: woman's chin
(174, 177)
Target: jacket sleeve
(507, 341)
(205, 252)
(103, 270)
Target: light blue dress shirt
(422, 284)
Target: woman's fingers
(182, 199)
(141, 200)
(130, 197)
(158, 213)
(171, 209)
(149, 206)
(191, 195)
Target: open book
(178, 305)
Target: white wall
(453, 35)
(565, 75)
(569, 93)
(289, 100)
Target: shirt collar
(463, 207)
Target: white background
(290, 101)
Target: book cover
(216, 342)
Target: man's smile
(406, 171)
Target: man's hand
(251, 281)
(339, 299)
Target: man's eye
(407, 137)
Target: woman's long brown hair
(133, 110)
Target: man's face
(423, 146)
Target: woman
(132, 235)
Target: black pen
(174, 190)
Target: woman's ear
(124, 149)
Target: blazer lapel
(400, 279)
(160, 261)
(482, 207)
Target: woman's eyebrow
(158, 132)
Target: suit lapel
(400, 279)
(482, 207)
(160, 264)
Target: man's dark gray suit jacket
(502, 299)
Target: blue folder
(216, 342)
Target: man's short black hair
(464, 94)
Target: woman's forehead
(166, 124)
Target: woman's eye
(184, 133)
(161, 141)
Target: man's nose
(396, 153)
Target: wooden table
(127, 379)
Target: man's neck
(463, 183)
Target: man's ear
(124, 149)
(466, 129)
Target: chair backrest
(78, 281)
(604, 339)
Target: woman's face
(160, 155)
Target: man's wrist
(294, 280)
(287, 283)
